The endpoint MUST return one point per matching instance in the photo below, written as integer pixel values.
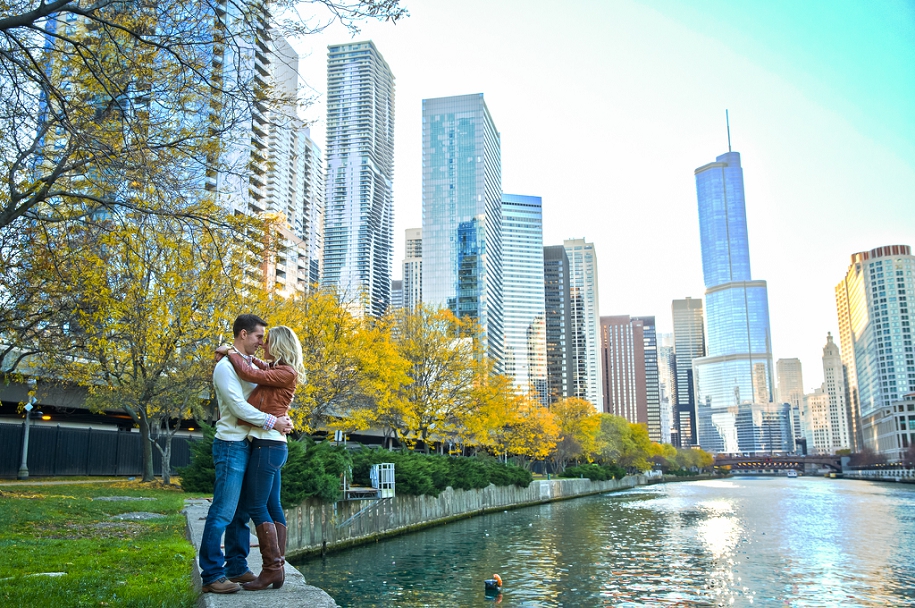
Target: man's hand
(283, 425)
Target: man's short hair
(248, 323)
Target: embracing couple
(248, 452)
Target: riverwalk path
(294, 592)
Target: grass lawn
(107, 561)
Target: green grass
(108, 562)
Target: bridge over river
(799, 463)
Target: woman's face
(267, 355)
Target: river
(742, 541)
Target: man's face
(252, 340)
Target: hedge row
(594, 472)
(315, 470)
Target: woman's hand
(222, 351)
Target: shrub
(200, 474)
(313, 471)
(594, 472)
(429, 474)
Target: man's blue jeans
(231, 460)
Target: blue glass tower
(733, 382)
(462, 214)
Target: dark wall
(58, 451)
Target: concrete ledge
(315, 527)
(295, 592)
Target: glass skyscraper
(585, 306)
(733, 382)
(557, 293)
(523, 294)
(359, 213)
(689, 344)
(462, 214)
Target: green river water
(743, 541)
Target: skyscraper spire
(727, 121)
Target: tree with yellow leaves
(578, 425)
(145, 300)
(353, 370)
(451, 389)
(530, 432)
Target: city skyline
(805, 126)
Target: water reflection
(760, 542)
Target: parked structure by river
(760, 541)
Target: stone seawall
(315, 527)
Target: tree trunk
(148, 473)
(167, 459)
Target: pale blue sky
(606, 108)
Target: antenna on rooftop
(727, 121)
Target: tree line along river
(741, 541)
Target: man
(220, 573)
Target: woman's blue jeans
(263, 481)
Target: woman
(276, 381)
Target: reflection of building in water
(733, 382)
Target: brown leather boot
(273, 572)
(247, 577)
(281, 541)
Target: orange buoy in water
(494, 584)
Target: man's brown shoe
(222, 585)
(247, 577)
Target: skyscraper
(791, 391)
(557, 295)
(584, 303)
(652, 376)
(413, 268)
(358, 234)
(834, 385)
(689, 344)
(667, 369)
(623, 368)
(396, 294)
(275, 169)
(733, 382)
(462, 214)
(876, 336)
(523, 294)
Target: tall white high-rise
(523, 294)
(834, 385)
(277, 172)
(666, 384)
(791, 391)
(875, 331)
(359, 214)
(462, 214)
(413, 269)
(584, 304)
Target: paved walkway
(294, 592)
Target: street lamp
(24, 467)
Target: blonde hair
(286, 348)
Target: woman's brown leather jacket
(275, 383)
